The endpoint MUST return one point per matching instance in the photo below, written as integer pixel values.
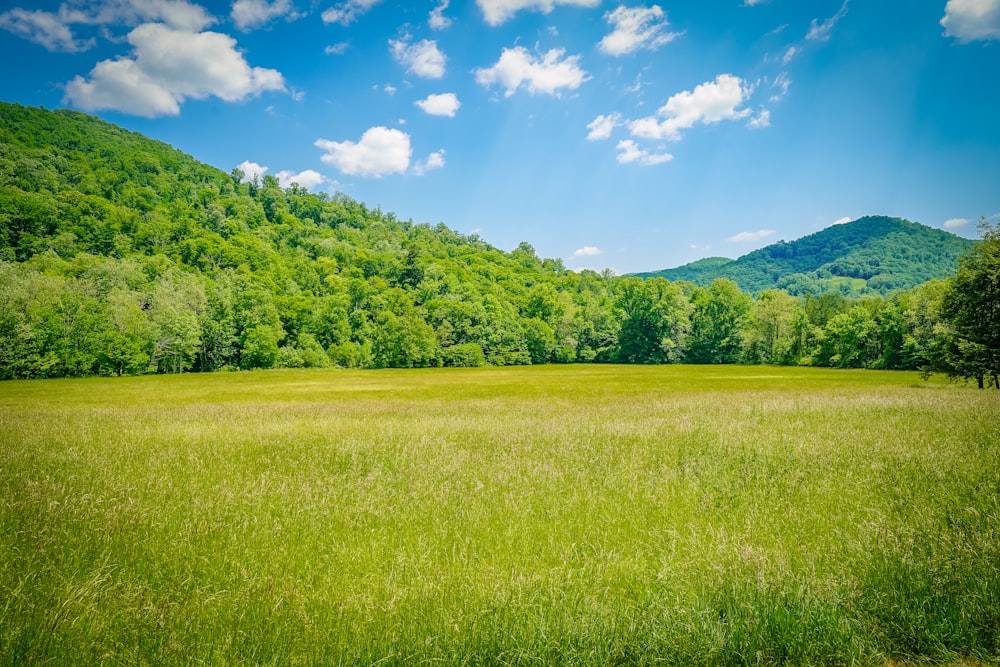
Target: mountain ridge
(873, 254)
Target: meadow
(555, 515)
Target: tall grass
(549, 515)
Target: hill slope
(872, 254)
(133, 224)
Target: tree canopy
(120, 255)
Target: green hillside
(120, 255)
(874, 254)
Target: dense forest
(870, 255)
(121, 255)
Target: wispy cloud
(749, 237)
(821, 30)
(629, 151)
(602, 126)
(499, 11)
(636, 28)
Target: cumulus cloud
(972, 20)
(437, 20)
(587, 251)
(601, 127)
(497, 11)
(549, 75)
(445, 104)
(955, 223)
(842, 221)
(821, 31)
(346, 13)
(251, 171)
(434, 161)
(423, 58)
(636, 28)
(746, 237)
(708, 103)
(169, 66)
(249, 14)
(629, 151)
(307, 178)
(379, 152)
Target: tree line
(120, 255)
(92, 315)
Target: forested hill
(120, 255)
(872, 254)
(195, 268)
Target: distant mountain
(873, 254)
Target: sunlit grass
(548, 515)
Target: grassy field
(577, 515)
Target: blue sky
(632, 136)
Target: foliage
(971, 312)
(122, 256)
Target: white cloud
(587, 251)
(445, 104)
(380, 151)
(636, 28)
(760, 121)
(782, 83)
(708, 103)
(821, 31)
(53, 29)
(955, 223)
(389, 89)
(789, 54)
(248, 14)
(423, 58)
(347, 12)
(169, 66)
(251, 170)
(629, 151)
(336, 49)
(434, 161)
(179, 14)
(497, 11)
(43, 28)
(308, 178)
(842, 221)
(601, 127)
(437, 20)
(972, 20)
(745, 237)
(751, 3)
(516, 66)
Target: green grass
(549, 515)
